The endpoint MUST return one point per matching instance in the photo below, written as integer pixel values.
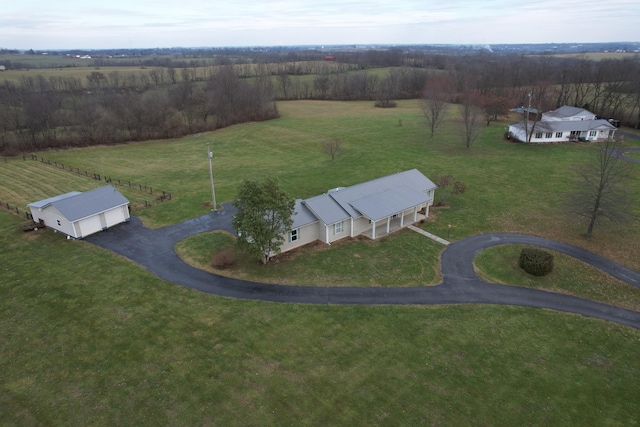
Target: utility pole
(213, 191)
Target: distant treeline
(42, 113)
(166, 101)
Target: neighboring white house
(563, 125)
(79, 214)
(372, 208)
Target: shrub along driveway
(154, 250)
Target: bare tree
(435, 98)
(472, 119)
(322, 83)
(332, 147)
(602, 193)
(284, 83)
(539, 100)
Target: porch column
(373, 231)
(326, 233)
(351, 232)
(402, 219)
(415, 214)
(388, 223)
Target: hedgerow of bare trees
(38, 113)
(173, 97)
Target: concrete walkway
(154, 250)
(429, 235)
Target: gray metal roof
(46, 202)
(568, 111)
(570, 125)
(326, 209)
(411, 178)
(82, 205)
(389, 202)
(302, 215)
(374, 199)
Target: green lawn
(569, 276)
(403, 259)
(633, 155)
(511, 187)
(90, 339)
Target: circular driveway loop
(154, 250)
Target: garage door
(89, 226)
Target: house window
(558, 134)
(58, 221)
(593, 133)
(575, 133)
(538, 135)
(548, 135)
(338, 227)
(294, 235)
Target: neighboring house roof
(567, 111)
(76, 206)
(568, 126)
(374, 199)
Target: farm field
(510, 187)
(90, 338)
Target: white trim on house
(361, 209)
(564, 124)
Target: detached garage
(81, 214)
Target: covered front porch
(391, 224)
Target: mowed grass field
(510, 187)
(90, 338)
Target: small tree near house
(264, 213)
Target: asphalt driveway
(154, 250)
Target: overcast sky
(95, 24)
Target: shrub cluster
(536, 262)
(224, 259)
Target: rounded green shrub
(536, 261)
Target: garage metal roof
(46, 202)
(75, 206)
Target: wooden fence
(160, 195)
(15, 210)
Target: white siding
(89, 226)
(54, 219)
(116, 216)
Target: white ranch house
(373, 209)
(79, 214)
(564, 124)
